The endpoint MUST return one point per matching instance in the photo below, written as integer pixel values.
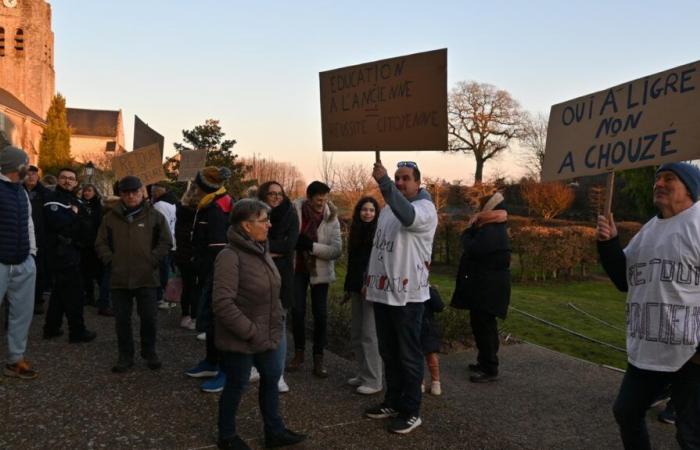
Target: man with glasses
(397, 283)
(133, 240)
(67, 228)
(17, 269)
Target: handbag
(173, 289)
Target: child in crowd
(431, 338)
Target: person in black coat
(91, 265)
(185, 212)
(483, 282)
(430, 338)
(282, 239)
(38, 195)
(363, 329)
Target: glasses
(409, 164)
(275, 194)
(265, 220)
(64, 177)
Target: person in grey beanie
(17, 252)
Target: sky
(254, 65)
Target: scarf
(207, 199)
(310, 221)
(488, 215)
(130, 213)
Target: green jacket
(133, 249)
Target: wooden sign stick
(377, 157)
(609, 191)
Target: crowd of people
(246, 266)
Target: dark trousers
(147, 308)
(188, 299)
(638, 390)
(164, 272)
(66, 298)
(398, 335)
(237, 366)
(485, 329)
(319, 309)
(105, 276)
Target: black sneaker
(483, 377)
(475, 367)
(153, 362)
(283, 439)
(123, 364)
(404, 424)
(381, 411)
(235, 443)
(85, 336)
(50, 334)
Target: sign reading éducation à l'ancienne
(648, 121)
(392, 104)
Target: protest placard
(392, 104)
(191, 162)
(647, 121)
(144, 163)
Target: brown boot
(296, 362)
(319, 368)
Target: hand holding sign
(379, 171)
(606, 228)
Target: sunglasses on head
(409, 164)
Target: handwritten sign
(191, 162)
(645, 122)
(392, 104)
(144, 163)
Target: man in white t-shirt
(397, 283)
(660, 271)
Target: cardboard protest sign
(145, 135)
(144, 163)
(647, 121)
(392, 104)
(191, 161)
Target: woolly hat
(129, 183)
(11, 158)
(688, 174)
(210, 179)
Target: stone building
(96, 135)
(27, 77)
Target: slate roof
(93, 122)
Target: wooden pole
(377, 157)
(609, 191)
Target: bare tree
(482, 120)
(261, 170)
(547, 200)
(352, 182)
(329, 171)
(534, 139)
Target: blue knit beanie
(688, 174)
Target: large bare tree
(533, 140)
(482, 120)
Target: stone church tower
(27, 53)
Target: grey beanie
(11, 158)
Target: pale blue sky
(254, 65)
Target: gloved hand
(304, 243)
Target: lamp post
(89, 170)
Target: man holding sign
(660, 271)
(397, 283)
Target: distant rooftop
(10, 101)
(93, 122)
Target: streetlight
(89, 170)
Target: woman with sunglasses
(282, 239)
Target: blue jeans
(398, 334)
(638, 390)
(18, 282)
(237, 366)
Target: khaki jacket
(133, 248)
(246, 297)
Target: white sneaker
(202, 337)
(254, 375)
(435, 388)
(422, 388)
(355, 381)
(186, 322)
(282, 387)
(366, 390)
(193, 325)
(163, 304)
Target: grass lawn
(548, 301)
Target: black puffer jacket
(184, 224)
(430, 333)
(282, 239)
(483, 277)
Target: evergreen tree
(639, 186)
(210, 137)
(54, 149)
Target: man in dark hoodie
(67, 227)
(133, 239)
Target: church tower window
(19, 40)
(2, 41)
